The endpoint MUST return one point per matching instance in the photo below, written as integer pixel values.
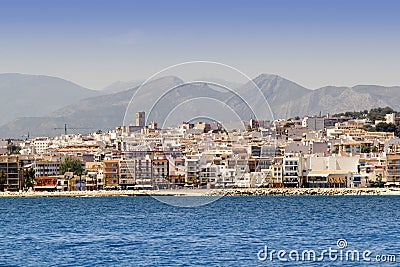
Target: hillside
(172, 102)
(36, 95)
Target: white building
(253, 179)
(46, 168)
(293, 171)
(243, 181)
(192, 164)
(100, 178)
(390, 118)
(334, 163)
(304, 122)
(41, 144)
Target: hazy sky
(94, 43)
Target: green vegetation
(369, 128)
(365, 148)
(373, 115)
(3, 180)
(379, 113)
(12, 148)
(387, 127)
(71, 164)
(353, 114)
(383, 127)
(368, 149)
(28, 176)
(289, 124)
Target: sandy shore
(103, 193)
(215, 192)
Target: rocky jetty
(304, 192)
(216, 192)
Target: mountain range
(36, 95)
(37, 104)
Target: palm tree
(29, 177)
(3, 180)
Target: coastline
(216, 192)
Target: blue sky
(95, 43)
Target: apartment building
(276, 175)
(293, 167)
(392, 167)
(41, 144)
(144, 173)
(161, 171)
(111, 173)
(46, 167)
(192, 164)
(10, 173)
(127, 174)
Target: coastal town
(349, 150)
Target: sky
(95, 43)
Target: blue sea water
(232, 231)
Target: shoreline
(216, 192)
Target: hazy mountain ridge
(286, 99)
(120, 86)
(36, 95)
(282, 95)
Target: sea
(229, 231)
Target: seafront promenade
(215, 192)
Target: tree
(365, 148)
(12, 148)
(368, 128)
(3, 180)
(383, 127)
(379, 113)
(29, 177)
(374, 114)
(387, 127)
(289, 124)
(71, 164)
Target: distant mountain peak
(55, 101)
(267, 76)
(169, 79)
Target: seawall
(216, 192)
